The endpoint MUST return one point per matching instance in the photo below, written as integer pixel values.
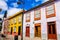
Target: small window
(14, 21)
(37, 14)
(15, 29)
(28, 17)
(50, 11)
(20, 19)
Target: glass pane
(37, 13)
(50, 12)
(15, 29)
(49, 29)
(53, 28)
(28, 16)
(50, 9)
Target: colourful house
(42, 22)
(15, 26)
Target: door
(52, 31)
(38, 30)
(27, 31)
(19, 30)
(16, 37)
(11, 29)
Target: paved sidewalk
(27, 38)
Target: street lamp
(19, 2)
(5, 14)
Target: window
(37, 14)
(51, 28)
(50, 11)
(15, 29)
(14, 21)
(28, 17)
(19, 19)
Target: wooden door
(52, 31)
(27, 31)
(38, 30)
(19, 30)
(16, 37)
(11, 30)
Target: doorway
(28, 31)
(38, 30)
(11, 29)
(16, 37)
(19, 30)
(52, 31)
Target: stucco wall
(43, 22)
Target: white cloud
(3, 5)
(37, 0)
(46, 0)
(1, 15)
(6, 0)
(15, 4)
(12, 11)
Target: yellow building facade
(15, 24)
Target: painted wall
(43, 22)
(14, 22)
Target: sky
(12, 7)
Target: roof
(50, 1)
(14, 15)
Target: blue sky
(11, 4)
(28, 4)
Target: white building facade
(45, 20)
